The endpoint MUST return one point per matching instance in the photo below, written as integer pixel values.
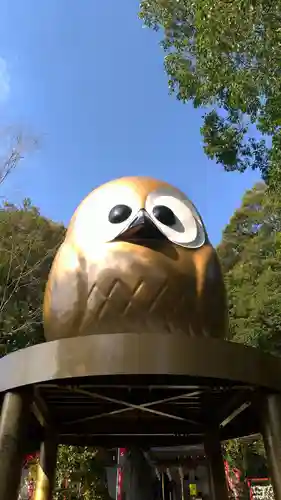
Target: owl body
(135, 278)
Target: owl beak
(142, 228)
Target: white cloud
(4, 80)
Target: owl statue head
(136, 259)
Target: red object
(119, 478)
(251, 480)
(31, 484)
(30, 489)
(250, 488)
(29, 458)
(232, 482)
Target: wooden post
(216, 466)
(46, 468)
(271, 430)
(13, 428)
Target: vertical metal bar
(46, 468)
(216, 466)
(163, 485)
(182, 482)
(271, 430)
(13, 428)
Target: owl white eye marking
(104, 215)
(176, 217)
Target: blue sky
(88, 81)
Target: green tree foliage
(250, 253)
(80, 475)
(247, 455)
(28, 243)
(225, 57)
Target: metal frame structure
(135, 390)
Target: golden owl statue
(136, 259)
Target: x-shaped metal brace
(145, 407)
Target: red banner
(119, 478)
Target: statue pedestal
(137, 391)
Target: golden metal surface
(46, 468)
(152, 356)
(42, 485)
(13, 429)
(113, 278)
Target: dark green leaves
(79, 466)
(28, 243)
(250, 254)
(226, 56)
(224, 142)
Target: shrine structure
(136, 356)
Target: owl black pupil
(119, 213)
(164, 215)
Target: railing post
(46, 467)
(13, 429)
(271, 430)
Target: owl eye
(164, 215)
(119, 214)
(176, 217)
